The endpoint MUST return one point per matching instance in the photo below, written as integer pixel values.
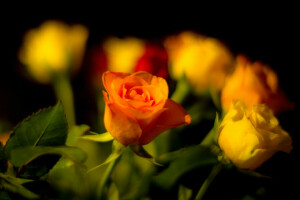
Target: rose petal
(109, 77)
(238, 139)
(251, 140)
(258, 157)
(154, 81)
(112, 81)
(133, 80)
(144, 76)
(145, 117)
(150, 93)
(161, 84)
(123, 128)
(254, 83)
(174, 115)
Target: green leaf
(14, 185)
(38, 167)
(184, 193)
(117, 150)
(24, 155)
(104, 137)
(253, 173)
(212, 137)
(140, 151)
(47, 127)
(75, 132)
(3, 161)
(113, 192)
(182, 162)
(67, 177)
(4, 195)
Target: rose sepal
(141, 152)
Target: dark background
(265, 34)
(268, 35)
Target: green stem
(144, 184)
(215, 96)
(105, 178)
(100, 111)
(64, 93)
(216, 169)
(181, 92)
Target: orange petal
(133, 80)
(160, 83)
(109, 77)
(174, 115)
(145, 117)
(123, 128)
(112, 82)
(154, 81)
(144, 76)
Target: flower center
(138, 94)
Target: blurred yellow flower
(123, 54)
(254, 83)
(53, 48)
(249, 137)
(204, 61)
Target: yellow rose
(254, 83)
(249, 137)
(205, 61)
(123, 54)
(53, 48)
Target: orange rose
(254, 83)
(137, 108)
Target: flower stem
(64, 93)
(181, 91)
(216, 169)
(105, 178)
(215, 97)
(100, 111)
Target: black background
(266, 34)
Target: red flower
(154, 61)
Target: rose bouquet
(180, 117)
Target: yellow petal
(123, 54)
(53, 48)
(238, 140)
